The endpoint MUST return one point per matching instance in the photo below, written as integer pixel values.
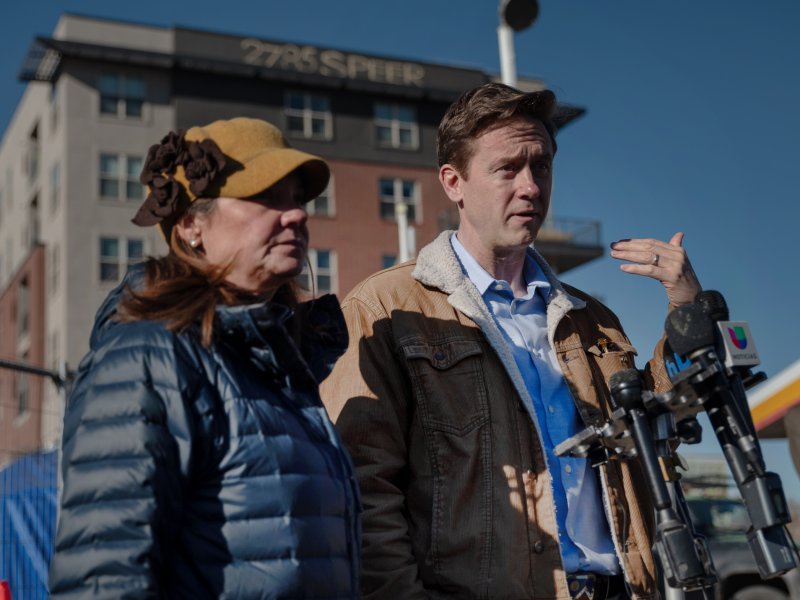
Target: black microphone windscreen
(624, 378)
(713, 303)
(689, 328)
(626, 388)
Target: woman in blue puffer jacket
(198, 461)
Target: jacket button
(538, 546)
(439, 356)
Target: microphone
(691, 333)
(686, 336)
(626, 389)
(736, 348)
(735, 344)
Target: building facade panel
(92, 213)
(202, 99)
(276, 59)
(114, 33)
(21, 175)
(361, 237)
(22, 341)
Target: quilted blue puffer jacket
(206, 473)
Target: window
(112, 259)
(308, 116)
(53, 107)
(109, 259)
(135, 251)
(109, 176)
(32, 155)
(394, 191)
(55, 266)
(321, 279)
(22, 390)
(122, 97)
(396, 126)
(55, 186)
(33, 230)
(323, 205)
(134, 189)
(119, 172)
(23, 309)
(55, 352)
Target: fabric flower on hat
(204, 161)
(161, 202)
(165, 156)
(166, 192)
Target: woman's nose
(295, 216)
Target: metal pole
(508, 66)
(57, 378)
(401, 214)
(63, 388)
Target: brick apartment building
(101, 92)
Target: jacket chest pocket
(612, 361)
(449, 385)
(588, 371)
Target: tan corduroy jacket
(457, 497)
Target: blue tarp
(28, 500)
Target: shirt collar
(534, 276)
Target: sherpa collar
(437, 266)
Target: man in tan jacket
(467, 366)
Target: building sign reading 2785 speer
(331, 63)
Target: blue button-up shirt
(584, 535)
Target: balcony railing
(564, 242)
(569, 230)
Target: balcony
(567, 243)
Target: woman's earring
(193, 243)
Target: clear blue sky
(693, 124)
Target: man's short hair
(482, 108)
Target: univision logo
(738, 337)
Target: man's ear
(451, 180)
(189, 229)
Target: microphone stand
(761, 490)
(684, 555)
(664, 432)
(648, 426)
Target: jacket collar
(437, 266)
(258, 330)
(261, 331)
